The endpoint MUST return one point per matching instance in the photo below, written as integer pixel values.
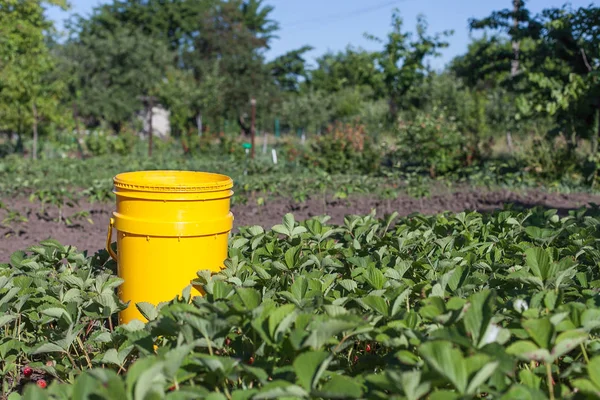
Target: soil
(91, 237)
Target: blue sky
(331, 25)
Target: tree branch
(585, 60)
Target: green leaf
(527, 350)
(540, 330)
(57, 312)
(539, 262)
(520, 392)
(411, 384)
(148, 310)
(48, 348)
(279, 389)
(85, 385)
(340, 386)
(567, 341)
(594, 371)
(529, 379)
(479, 315)
(327, 330)
(7, 318)
(447, 361)
(150, 383)
(250, 297)
(375, 278)
(377, 303)
(481, 377)
(306, 367)
(585, 386)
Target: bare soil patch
(91, 237)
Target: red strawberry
(251, 360)
(227, 342)
(368, 348)
(27, 371)
(42, 383)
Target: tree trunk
(35, 131)
(253, 126)
(199, 123)
(509, 143)
(596, 134)
(150, 106)
(516, 45)
(78, 130)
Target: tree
(558, 58)
(113, 70)
(188, 99)
(25, 98)
(308, 111)
(347, 69)
(402, 60)
(289, 69)
(199, 34)
(517, 23)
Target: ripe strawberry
(42, 383)
(251, 360)
(27, 371)
(355, 359)
(227, 341)
(368, 348)
(172, 388)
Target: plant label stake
(274, 155)
(247, 147)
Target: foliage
(100, 143)
(554, 64)
(462, 305)
(431, 142)
(563, 81)
(289, 68)
(26, 95)
(116, 66)
(348, 69)
(402, 60)
(309, 111)
(551, 159)
(343, 148)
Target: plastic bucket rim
(172, 181)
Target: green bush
(550, 159)
(343, 148)
(431, 142)
(101, 143)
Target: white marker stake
(265, 143)
(274, 154)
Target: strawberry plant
(457, 306)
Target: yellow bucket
(170, 224)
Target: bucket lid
(172, 181)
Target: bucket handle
(109, 239)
